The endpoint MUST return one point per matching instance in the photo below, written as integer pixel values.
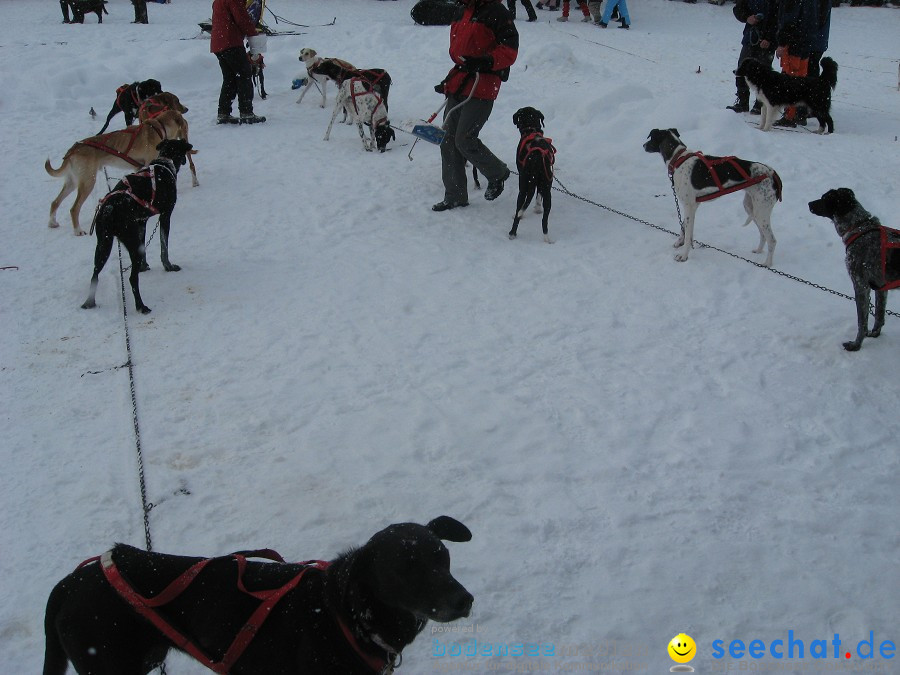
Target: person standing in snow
(484, 44)
(757, 42)
(529, 9)
(230, 24)
(140, 11)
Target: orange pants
(793, 65)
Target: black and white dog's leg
(544, 196)
(101, 255)
(758, 204)
(526, 194)
(164, 224)
(338, 105)
(861, 295)
(686, 241)
(880, 307)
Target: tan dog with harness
(132, 147)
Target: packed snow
(641, 447)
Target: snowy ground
(641, 447)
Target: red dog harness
(681, 157)
(890, 249)
(544, 148)
(147, 608)
(100, 145)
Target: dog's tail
(829, 71)
(776, 181)
(56, 173)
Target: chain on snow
(562, 188)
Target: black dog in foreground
(534, 159)
(124, 212)
(873, 256)
(353, 615)
(129, 98)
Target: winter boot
(250, 118)
(740, 105)
(495, 187)
(226, 118)
(562, 18)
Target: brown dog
(160, 103)
(129, 148)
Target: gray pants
(461, 143)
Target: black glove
(478, 64)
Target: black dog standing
(129, 98)
(121, 612)
(872, 258)
(534, 159)
(124, 212)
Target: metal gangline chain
(146, 506)
(562, 188)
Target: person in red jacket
(484, 44)
(230, 24)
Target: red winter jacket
(230, 24)
(485, 29)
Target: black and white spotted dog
(698, 178)
(534, 159)
(363, 98)
(872, 258)
(320, 70)
(123, 213)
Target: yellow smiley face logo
(682, 648)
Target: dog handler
(230, 24)
(483, 41)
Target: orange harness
(890, 251)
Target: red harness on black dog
(680, 158)
(147, 608)
(545, 148)
(890, 249)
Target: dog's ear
(449, 529)
(675, 131)
(517, 117)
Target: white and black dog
(698, 178)
(534, 159)
(364, 99)
(319, 70)
(872, 258)
(776, 90)
(123, 214)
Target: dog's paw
(52, 224)
(875, 332)
(547, 239)
(852, 346)
(678, 243)
(79, 232)
(511, 236)
(681, 257)
(143, 309)
(89, 304)
(171, 267)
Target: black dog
(534, 159)
(124, 212)
(82, 7)
(351, 616)
(776, 90)
(129, 98)
(873, 256)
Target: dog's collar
(678, 158)
(384, 664)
